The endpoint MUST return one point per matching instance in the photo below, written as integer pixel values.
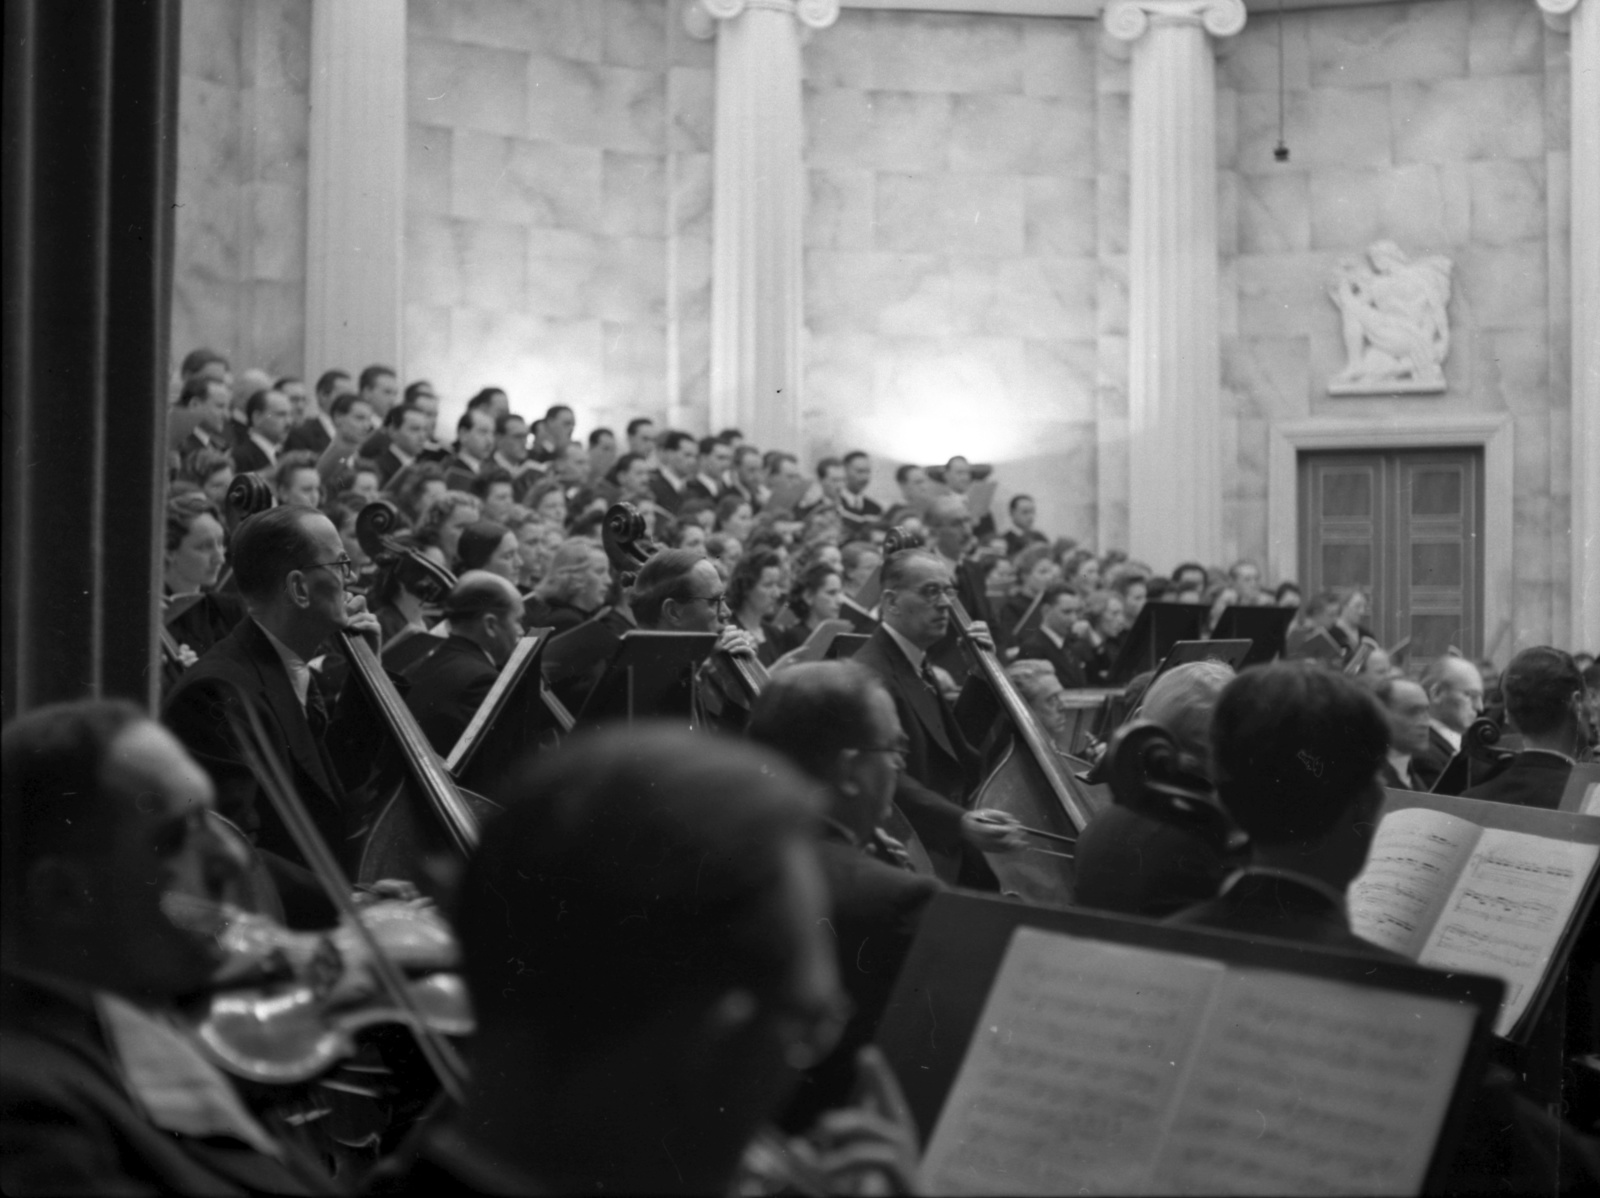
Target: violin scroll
(248, 495)
(1147, 776)
(899, 538)
(386, 540)
(627, 541)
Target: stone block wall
(1440, 126)
(240, 226)
(558, 235)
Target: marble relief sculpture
(1394, 322)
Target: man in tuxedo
(408, 435)
(474, 444)
(211, 397)
(670, 483)
(1022, 533)
(292, 571)
(1296, 750)
(943, 768)
(748, 477)
(380, 387)
(1544, 694)
(641, 433)
(353, 419)
(1056, 639)
(859, 510)
(106, 838)
(449, 685)
(711, 464)
(837, 722)
(1406, 705)
(317, 432)
(268, 415)
(554, 432)
(1455, 699)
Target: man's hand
(737, 641)
(992, 831)
(869, 1147)
(359, 620)
(983, 637)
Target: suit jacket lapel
(277, 695)
(924, 703)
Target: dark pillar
(90, 152)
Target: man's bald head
(1182, 701)
(949, 525)
(1455, 692)
(477, 592)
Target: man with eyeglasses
(943, 769)
(837, 722)
(293, 572)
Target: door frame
(1488, 432)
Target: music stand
(643, 674)
(1315, 644)
(940, 1012)
(1230, 653)
(1159, 627)
(845, 646)
(518, 710)
(1266, 628)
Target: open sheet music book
(1102, 1068)
(1445, 887)
(1061, 1051)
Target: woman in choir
(1349, 627)
(415, 488)
(212, 471)
(1084, 573)
(724, 551)
(999, 582)
(687, 535)
(572, 589)
(444, 522)
(492, 547)
(753, 593)
(861, 560)
(1036, 569)
(549, 503)
(1288, 595)
(1219, 598)
(1134, 588)
(735, 517)
(816, 597)
(197, 617)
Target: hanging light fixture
(1280, 152)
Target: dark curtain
(90, 153)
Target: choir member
(1455, 699)
(1544, 695)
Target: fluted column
(1581, 21)
(1175, 464)
(356, 184)
(758, 204)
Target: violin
(1147, 776)
(292, 1033)
(383, 537)
(1477, 761)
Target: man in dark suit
(1296, 750)
(1024, 511)
(942, 767)
(474, 444)
(106, 837)
(837, 722)
(1544, 695)
(713, 460)
(316, 432)
(448, 686)
(408, 435)
(267, 414)
(949, 526)
(858, 509)
(1455, 699)
(292, 571)
(211, 398)
(669, 485)
(1405, 705)
(1056, 638)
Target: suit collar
(924, 703)
(277, 694)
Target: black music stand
(1266, 628)
(1159, 627)
(845, 646)
(518, 712)
(933, 1018)
(650, 674)
(1230, 653)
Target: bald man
(1455, 699)
(447, 687)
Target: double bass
(1031, 780)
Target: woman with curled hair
(193, 552)
(573, 587)
(1108, 626)
(442, 524)
(212, 471)
(415, 488)
(815, 598)
(753, 593)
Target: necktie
(316, 712)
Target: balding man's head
(487, 610)
(949, 525)
(1455, 692)
(1182, 701)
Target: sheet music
(1308, 1086)
(1591, 800)
(1104, 1069)
(1507, 911)
(1071, 1071)
(1411, 867)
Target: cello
(1031, 780)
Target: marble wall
(240, 263)
(558, 225)
(952, 247)
(1440, 126)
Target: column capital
(700, 17)
(1127, 20)
(1558, 13)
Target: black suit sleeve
(936, 819)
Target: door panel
(1405, 526)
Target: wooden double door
(1406, 526)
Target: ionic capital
(700, 17)
(1127, 20)
(1558, 13)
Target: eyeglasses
(346, 568)
(935, 591)
(717, 602)
(899, 747)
